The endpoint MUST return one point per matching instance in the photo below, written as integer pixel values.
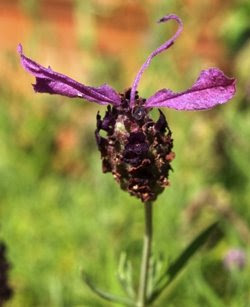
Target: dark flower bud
(5, 290)
(136, 150)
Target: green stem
(147, 243)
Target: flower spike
(160, 49)
(51, 82)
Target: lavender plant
(138, 151)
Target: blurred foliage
(30, 6)
(60, 214)
(236, 29)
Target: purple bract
(211, 88)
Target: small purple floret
(235, 258)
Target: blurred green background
(59, 213)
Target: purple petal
(49, 81)
(160, 49)
(211, 88)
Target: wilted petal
(211, 88)
(49, 81)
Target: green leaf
(155, 268)
(105, 295)
(124, 274)
(175, 267)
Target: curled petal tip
(168, 17)
(20, 49)
(160, 20)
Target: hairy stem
(147, 243)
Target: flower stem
(147, 243)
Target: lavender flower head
(137, 150)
